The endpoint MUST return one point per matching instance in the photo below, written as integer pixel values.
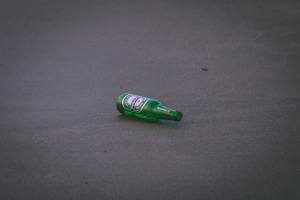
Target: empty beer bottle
(145, 108)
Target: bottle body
(145, 108)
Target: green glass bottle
(145, 108)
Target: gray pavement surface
(63, 63)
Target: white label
(134, 103)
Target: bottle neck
(163, 112)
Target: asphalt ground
(231, 67)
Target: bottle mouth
(178, 116)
